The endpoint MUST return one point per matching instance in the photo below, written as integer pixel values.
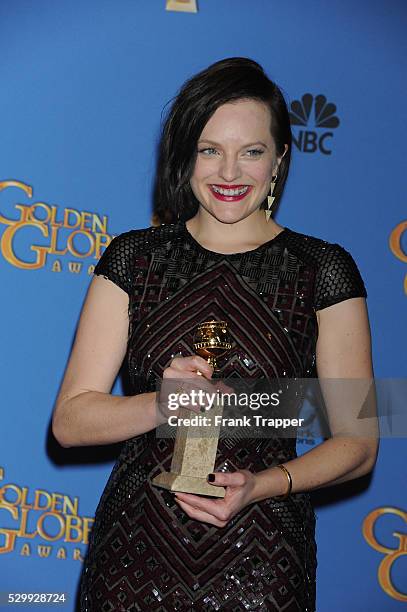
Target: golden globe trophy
(195, 447)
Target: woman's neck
(246, 234)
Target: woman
(296, 307)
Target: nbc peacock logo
(323, 117)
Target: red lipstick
(228, 198)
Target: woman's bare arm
(85, 412)
(343, 352)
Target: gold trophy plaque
(194, 454)
(184, 6)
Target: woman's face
(235, 151)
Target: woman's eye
(207, 149)
(256, 152)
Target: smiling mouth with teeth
(236, 191)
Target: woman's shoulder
(138, 241)
(315, 249)
(117, 260)
(337, 274)
(310, 243)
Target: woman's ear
(285, 151)
(279, 159)
(281, 156)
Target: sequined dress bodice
(145, 553)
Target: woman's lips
(229, 198)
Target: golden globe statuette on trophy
(195, 454)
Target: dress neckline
(282, 233)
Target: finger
(192, 363)
(217, 508)
(227, 479)
(214, 507)
(174, 408)
(175, 381)
(172, 372)
(199, 515)
(188, 393)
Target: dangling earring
(270, 198)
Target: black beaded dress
(145, 553)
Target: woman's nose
(229, 168)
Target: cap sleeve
(338, 278)
(115, 263)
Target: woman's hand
(239, 488)
(187, 379)
(183, 377)
(188, 367)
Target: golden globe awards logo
(57, 233)
(396, 245)
(391, 554)
(41, 522)
(315, 114)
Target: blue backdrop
(84, 84)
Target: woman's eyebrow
(243, 146)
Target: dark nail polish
(211, 477)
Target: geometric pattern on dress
(144, 552)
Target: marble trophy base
(187, 484)
(194, 457)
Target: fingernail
(211, 477)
